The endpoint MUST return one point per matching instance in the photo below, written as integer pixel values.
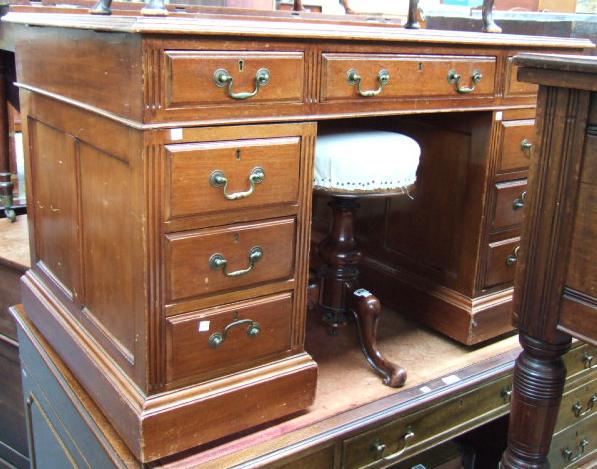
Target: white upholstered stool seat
(365, 161)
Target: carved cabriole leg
(489, 25)
(367, 309)
(539, 378)
(412, 21)
(338, 281)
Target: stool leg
(367, 311)
(339, 296)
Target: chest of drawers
(170, 175)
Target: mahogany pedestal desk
(169, 166)
(556, 294)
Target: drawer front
(196, 78)
(397, 440)
(574, 446)
(229, 337)
(510, 201)
(515, 87)
(229, 258)
(518, 141)
(501, 262)
(577, 404)
(581, 360)
(416, 76)
(219, 176)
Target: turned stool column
(348, 166)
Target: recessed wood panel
(190, 352)
(188, 257)
(109, 245)
(55, 204)
(191, 167)
(190, 77)
(410, 75)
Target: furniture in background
(14, 261)
(556, 294)
(187, 230)
(349, 166)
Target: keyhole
(241, 65)
(238, 154)
(236, 237)
(420, 66)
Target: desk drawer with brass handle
(416, 432)
(236, 78)
(233, 257)
(227, 175)
(578, 403)
(502, 257)
(510, 201)
(518, 142)
(366, 76)
(229, 337)
(581, 360)
(574, 445)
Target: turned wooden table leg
(367, 310)
(489, 25)
(539, 377)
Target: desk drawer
(581, 360)
(390, 443)
(192, 78)
(218, 176)
(416, 76)
(228, 338)
(578, 403)
(233, 257)
(518, 141)
(510, 201)
(574, 446)
(502, 257)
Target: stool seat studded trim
(349, 165)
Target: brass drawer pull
(520, 201)
(223, 79)
(587, 360)
(577, 408)
(379, 447)
(218, 338)
(454, 78)
(507, 394)
(569, 455)
(512, 259)
(526, 146)
(383, 77)
(219, 179)
(218, 261)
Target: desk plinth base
(465, 319)
(163, 424)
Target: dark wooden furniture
(172, 304)
(14, 261)
(347, 429)
(556, 295)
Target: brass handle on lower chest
(218, 338)
(520, 201)
(587, 360)
(569, 455)
(526, 146)
(383, 77)
(454, 78)
(218, 261)
(577, 408)
(512, 259)
(219, 179)
(223, 79)
(379, 447)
